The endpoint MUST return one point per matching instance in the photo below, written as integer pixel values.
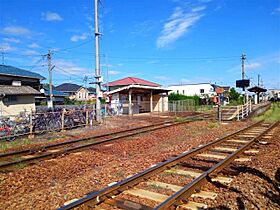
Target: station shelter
(133, 95)
(257, 90)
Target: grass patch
(180, 119)
(271, 115)
(212, 125)
(120, 174)
(20, 165)
(4, 145)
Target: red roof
(131, 81)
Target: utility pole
(97, 64)
(243, 58)
(50, 68)
(258, 80)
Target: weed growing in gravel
(20, 165)
(4, 146)
(15, 158)
(212, 125)
(180, 119)
(154, 186)
(26, 141)
(120, 174)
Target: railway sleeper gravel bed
(34, 155)
(149, 189)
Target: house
(133, 95)
(274, 94)
(76, 92)
(18, 88)
(58, 97)
(202, 90)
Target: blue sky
(165, 41)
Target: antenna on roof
(85, 80)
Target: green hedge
(180, 97)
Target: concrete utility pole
(97, 64)
(243, 58)
(50, 68)
(258, 80)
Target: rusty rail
(190, 188)
(95, 198)
(40, 153)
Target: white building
(274, 94)
(199, 89)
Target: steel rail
(97, 197)
(46, 154)
(88, 138)
(190, 188)
(75, 141)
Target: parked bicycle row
(44, 120)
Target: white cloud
(31, 52)
(76, 38)
(16, 31)
(69, 67)
(33, 45)
(162, 77)
(252, 65)
(276, 11)
(178, 24)
(153, 61)
(51, 16)
(111, 72)
(6, 47)
(13, 40)
(198, 9)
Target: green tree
(233, 94)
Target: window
(201, 90)
(177, 91)
(183, 92)
(12, 98)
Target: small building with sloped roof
(18, 88)
(76, 92)
(133, 95)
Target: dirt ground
(50, 183)
(108, 126)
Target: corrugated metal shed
(13, 71)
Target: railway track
(34, 155)
(177, 181)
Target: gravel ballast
(51, 183)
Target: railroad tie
(251, 151)
(237, 141)
(161, 198)
(221, 179)
(242, 159)
(208, 155)
(183, 172)
(226, 149)
(175, 188)
(247, 136)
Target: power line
(69, 72)
(75, 46)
